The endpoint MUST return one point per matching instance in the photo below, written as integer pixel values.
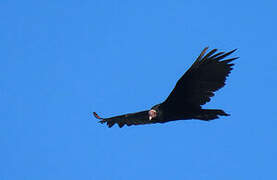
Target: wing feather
(204, 77)
(126, 119)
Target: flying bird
(194, 89)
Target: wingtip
(97, 116)
(226, 114)
(201, 55)
(102, 121)
(205, 50)
(234, 50)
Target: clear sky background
(62, 60)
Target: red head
(152, 114)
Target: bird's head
(154, 112)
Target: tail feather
(211, 114)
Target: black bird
(195, 88)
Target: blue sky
(62, 60)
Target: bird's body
(195, 88)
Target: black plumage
(195, 88)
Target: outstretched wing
(204, 77)
(126, 119)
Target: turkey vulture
(194, 89)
